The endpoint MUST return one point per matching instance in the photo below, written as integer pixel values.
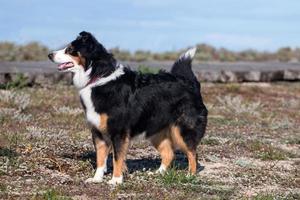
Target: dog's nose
(50, 56)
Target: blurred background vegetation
(32, 51)
(35, 51)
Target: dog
(120, 104)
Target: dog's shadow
(142, 164)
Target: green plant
(3, 187)
(266, 151)
(2, 119)
(272, 154)
(292, 140)
(147, 70)
(264, 197)
(7, 152)
(52, 194)
(275, 197)
(174, 177)
(210, 141)
(237, 105)
(18, 82)
(233, 87)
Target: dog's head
(80, 54)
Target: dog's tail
(183, 66)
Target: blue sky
(157, 25)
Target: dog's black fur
(137, 103)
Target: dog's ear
(85, 36)
(93, 49)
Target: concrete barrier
(45, 72)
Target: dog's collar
(100, 80)
(92, 80)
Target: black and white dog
(120, 103)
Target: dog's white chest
(92, 116)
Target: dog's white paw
(161, 170)
(98, 178)
(93, 180)
(116, 180)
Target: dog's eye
(69, 49)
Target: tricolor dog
(120, 104)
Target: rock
(291, 75)
(208, 76)
(269, 76)
(2, 79)
(252, 76)
(229, 76)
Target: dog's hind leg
(102, 148)
(120, 144)
(161, 141)
(188, 147)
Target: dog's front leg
(102, 148)
(120, 143)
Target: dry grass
(251, 149)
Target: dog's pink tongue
(65, 65)
(61, 66)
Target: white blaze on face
(60, 56)
(68, 63)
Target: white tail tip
(189, 54)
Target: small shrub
(233, 87)
(282, 123)
(210, 141)
(276, 196)
(266, 151)
(147, 70)
(31, 51)
(174, 177)
(237, 106)
(141, 55)
(293, 140)
(243, 162)
(19, 99)
(264, 197)
(3, 187)
(65, 110)
(7, 152)
(52, 194)
(19, 81)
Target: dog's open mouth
(65, 66)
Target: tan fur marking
(162, 142)
(103, 123)
(119, 165)
(177, 139)
(192, 161)
(102, 151)
(81, 59)
(179, 142)
(78, 59)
